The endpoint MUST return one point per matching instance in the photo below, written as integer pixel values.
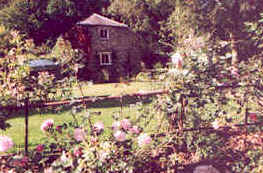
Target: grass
(115, 89)
(107, 108)
(36, 136)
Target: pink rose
(125, 124)
(103, 156)
(5, 143)
(93, 140)
(24, 161)
(253, 116)
(77, 151)
(119, 136)
(48, 170)
(234, 71)
(144, 139)
(79, 134)
(47, 125)
(116, 125)
(135, 130)
(98, 127)
(40, 148)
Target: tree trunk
(234, 49)
(235, 32)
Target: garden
(209, 115)
(202, 113)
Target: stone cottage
(113, 50)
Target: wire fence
(27, 106)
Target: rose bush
(5, 143)
(167, 134)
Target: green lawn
(116, 89)
(16, 132)
(107, 108)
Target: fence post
(181, 118)
(121, 102)
(26, 124)
(246, 119)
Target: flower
(116, 125)
(234, 71)
(79, 134)
(47, 125)
(105, 146)
(40, 148)
(14, 33)
(93, 140)
(63, 157)
(205, 168)
(19, 161)
(48, 170)
(59, 129)
(98, 127)
(103, 155)
(144, 139)
(135, 130)
(253, 116)
(119, 136)
(24, 161)
(125, 124)
(216, 124)
(77, 151)
(177, 60)
(5, 143)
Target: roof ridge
(97, 19)
(106, 18)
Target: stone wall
(125, 45)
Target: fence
(27, 106)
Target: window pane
(104, 33)
(105, 59)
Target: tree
(179, 25)
(44, 20)
(225, 19)
(143, 16)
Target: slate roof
(96, 19)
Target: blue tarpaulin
(42, 64)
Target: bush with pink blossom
(46, 125)
(98, 127)
(6, 143)
(128, 147)
(79, 134)
(164, 136)
(144, 140)
(119, 136)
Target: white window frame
(108, 54)
(102, 35)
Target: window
(105, 58)
(104, 33)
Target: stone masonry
(124, 47)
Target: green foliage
(207, 94)
(256, 29)
(43, 20)
(178, 25)
(143, 16)
(19, 82)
